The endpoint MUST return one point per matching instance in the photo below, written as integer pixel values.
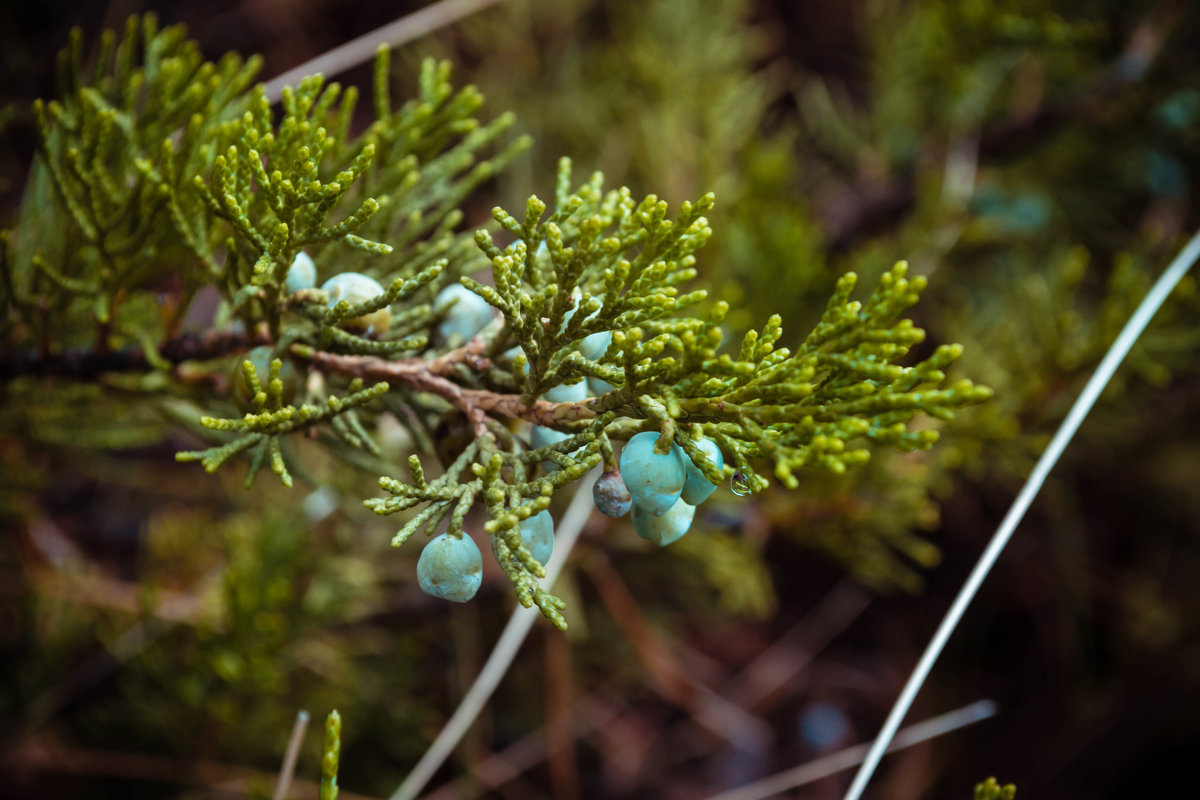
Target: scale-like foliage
(613, 265)
(177, 173)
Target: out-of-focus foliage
(991, 790)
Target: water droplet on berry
(740, 484)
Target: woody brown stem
(472, 355)
(426, 376)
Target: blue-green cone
(261, 357)
(463, 312)
(450, 567)
(654, 481)
(697, 488)
(662, 530)
(537, 534)
(302, 274)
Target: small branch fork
(427, 376)
(430, 376)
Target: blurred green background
(1038, 161)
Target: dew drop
(740, 484)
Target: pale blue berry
(541, 256)
(577, 302)
(450, 567)
(664, 529)
(463, 312)
(302, 274)
(509, 357)
(354, 288)
(654, 481)
(595, 345)
(261, 358)
(697, 488)
(598, 387)
(567, 392)
(610, 495)
(542, 436)
(537, 535)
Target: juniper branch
(84, 363)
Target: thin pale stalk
(289, 758)
(360, 50)
(845, 759)
(1087, 398)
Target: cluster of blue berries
(662, 490)
(353, 287)
(463, 313)
(451, 566)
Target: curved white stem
(834, 763)
(290, 755)
(1087, 398)
(569, 528)
(357, 51)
